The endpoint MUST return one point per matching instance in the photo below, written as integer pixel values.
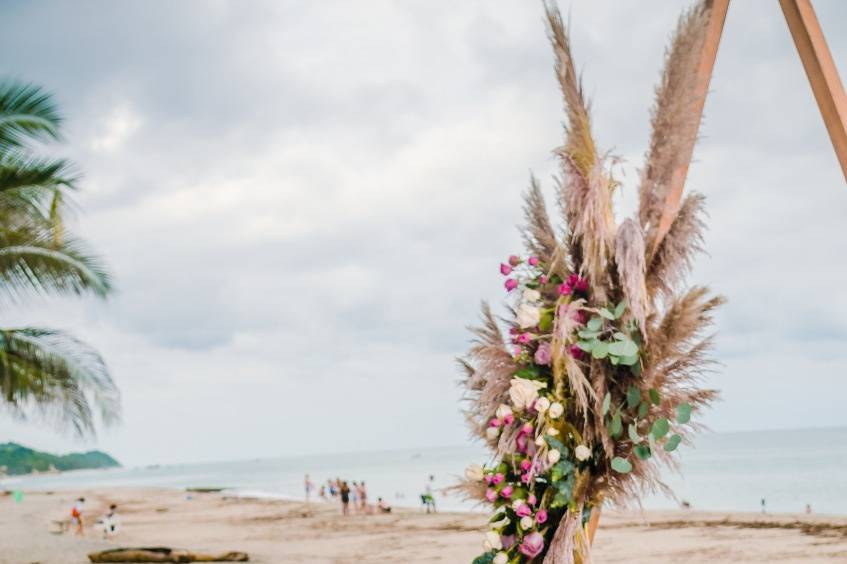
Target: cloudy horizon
(304, 203)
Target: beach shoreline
(273, 531)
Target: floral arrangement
(596, 383)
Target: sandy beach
(278, 531)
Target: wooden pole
(821, 71)
(717, 17)
(593, 523)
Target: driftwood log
(163, 554)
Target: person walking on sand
(345, 498)
(110, 522)
(363, 496)
(427, 498)
(354, 496)
(308, 486)
(76, 516)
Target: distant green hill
(19, 459)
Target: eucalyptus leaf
(600, 350)
(607, 314)
(654, 396)
(643, 409)
(619, 309)
(616, 426)
(615, 360)
(683, 413)
(633, 433)
(616, 348)
(586, 345)
(528, 372)
(588, 334)
(607, 403)
(621, 465)
(629, 348)
(672, 443)
(660, 428)
(629, 360)
(642, 451)
(619, 336)
(633, 397)
(594, 323)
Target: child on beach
(110, 522)
(77, 518)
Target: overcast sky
(304, 202)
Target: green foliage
(621, 465)
(485, 558)
(683, 413)
(594, 323)
(633, 397)
(654, 396)
(616, 425)
(607, 403)
(643, 409)
(661, 426)
(600, 350)
(642, 451)
(672, 443)
(633, 433)
(22, 460)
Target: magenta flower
(508, 419)
(580, 317)
(544, 354)
(526, 464)
(505, 269)
(494, 423)
(533, 261)
(531, 499)
(565, 290)
(543, 279)
(488, 478)
(524, 338)
(532, 545)
(526, 429)
(526, 478)
(490, 495)
(506, 492)
(572, 280)
(514, 260)
(541, 516)
(521, 442)
(581, 285)
(523, 510)
(498, 477)
(511, 284)
(577, 352)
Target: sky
(303, 204)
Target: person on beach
(110, 522)
(308, 486)
(427, 497)
(363, 495)
(764, 509)
(354, 496)
(76, 516)
(382, 506)
(345, 498)
(322, 493)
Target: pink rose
(533, 261)
(506, 492)
(498, 477)
(543, 279)
(521, 442)
(572, 280)
(514, 260)
(526, 464)
(565, 290)
(526, 478)
(505, 269)
(532, 545)
(541, 517)
(544, 354)
(577, 352)
(494, 423)
(523, 510)
(507, 541)
(508, 419)
(490, 495)
(488, 478)
(524, 338)
(511, 284)
(526, 429)
(581, 285)
(531, 499)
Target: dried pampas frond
(538, 234)
(674, 257)
(630, 256)
(674, 124)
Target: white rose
(526, 523)
(492, 541)
(474, 473)
(531, 296)
(539, 440)
(582, 452)
(492, 432)
(556, 410)
(528, 315)
(501, 523)
(523, 392)
(501, 558)
(553, 456)
(551, 431)
(503, 411)
(542, 404)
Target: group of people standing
(351, 495)
(108, 522)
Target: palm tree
(43, 371)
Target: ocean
(723, 471)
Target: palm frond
(27, 113)
(41, 265)
(58, 377)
